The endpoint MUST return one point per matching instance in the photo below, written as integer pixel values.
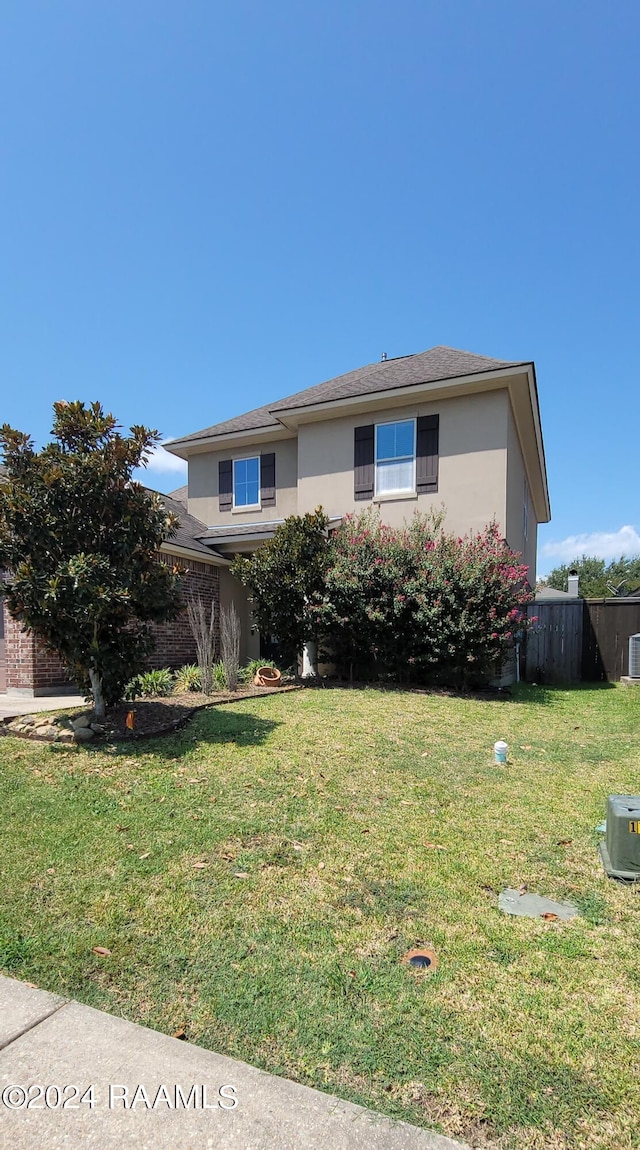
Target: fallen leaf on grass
(145, 855)
(548, 916)
(526, 747)
(297, 846)
(199, 865)
(425, 754)
(100, 950)
(434, 847)
(33, 985)
(564, 842)
(181, 1034)
(523, 888)
(130, 847)
(51, 870)
(321, 866)
(240, 874)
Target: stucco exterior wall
(231, 591)
(472, 465)
(203, 484)
(516, 493)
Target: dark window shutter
(225, 485)
(268, 479)
(363, 462)
(427, 454)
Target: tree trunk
(96, 691)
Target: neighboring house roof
(181, 494)
(546, 594)
(439, 363)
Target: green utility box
(621, 851)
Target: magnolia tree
(285, 577)
(79, 539)
(418, 603)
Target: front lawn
(258, 877)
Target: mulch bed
(159, 716)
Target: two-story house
(441, 428)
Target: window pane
(404, 438)
(386, 441)
(394, 476)
(246, 482)
(395, 440)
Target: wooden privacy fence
(580, 639)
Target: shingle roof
(189, 528)
(240, 529)
(425, 367)
(181, 494)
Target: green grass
(365, 822)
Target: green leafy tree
(286, 579)
(79, 539)
(597, 579)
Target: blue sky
(207, 206)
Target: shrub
(188, 678)
(417, 603)
(247, 673)
(230, 645)
(218, 677)
(202, 624)
(150, 684)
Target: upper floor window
(395, 457)
(246, 482)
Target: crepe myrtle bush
(419, 604)
(79, 539)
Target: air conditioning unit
(634, 656)
(620, 852)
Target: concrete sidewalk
(13, 705)
(142, 1092)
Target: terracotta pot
(267, 677)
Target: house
(443, 428)
(440, 428)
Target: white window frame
(244, 506)
(400, 490)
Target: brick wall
(29, 668)
(175, 644)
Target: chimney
(572, 583)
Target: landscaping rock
(82, 722)
(44, 722)
(66, 736)
(83, 734)
(97, 728)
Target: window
(395, 456)
(246, 482)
